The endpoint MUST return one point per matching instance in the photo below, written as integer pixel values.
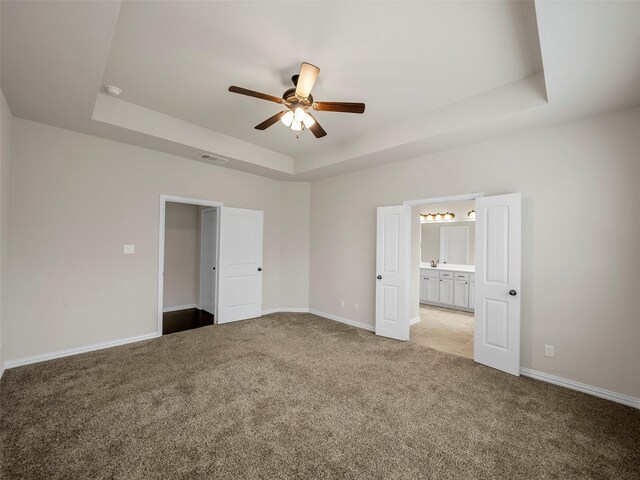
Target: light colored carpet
(298, 396)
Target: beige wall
(181, 255)
(6, 122)
(294, 245)
(76, 200)
(581, 267)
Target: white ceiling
(434, 75)
(401, 59)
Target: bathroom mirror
(449, 243)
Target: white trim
(75, 351)
(582, 387)
(353, 323)
(201, 257)
(161, 227)
(180, 307)
(448, 198)
(285, 310)
(414, 320)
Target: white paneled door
(240, 264)
(497, 282)
(208, 259)
(392, 272)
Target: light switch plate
(129, 249)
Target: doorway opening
(188, 261)
(496, 278)
(445, 278)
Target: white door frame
(161, 232)
(426, 201)
(201, 254)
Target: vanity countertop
(450, 267)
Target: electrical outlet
(341, 303)
(549, 351)
(356, 307)
(129, 249)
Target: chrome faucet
(434, 263)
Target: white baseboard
(75, 351)
(582, 387)
(414, 320)
(180, 307)
(285, 310)
(353, 323)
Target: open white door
(497, 284)
(240, 265)
(208, 259)
(392, 272)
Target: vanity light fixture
(437, 217)
(472, 215)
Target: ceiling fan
(298, 101)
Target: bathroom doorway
(446, 277)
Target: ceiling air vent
(211, 159)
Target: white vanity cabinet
(472, 288)
(461, 293)
(429, 289)
(446, 291)
(447, 288)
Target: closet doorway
(190, 263)
(217, 280)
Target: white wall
(181, 255)
(6, 123)
(77, 199)
(581, 267)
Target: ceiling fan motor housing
(290, 96)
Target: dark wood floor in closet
(181, 320)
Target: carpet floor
(298, 396)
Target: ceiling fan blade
(270, 121)
(306, 79)
(251, 93)
(345, 107)
(316, 129)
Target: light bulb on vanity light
(287, 118)
(448, 216)
(429, 217)
(438, 216)
(472, 214)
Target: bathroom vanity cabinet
(448, 286)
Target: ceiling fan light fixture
(287, 118)
(308, 120)
(299, 114)
(296, 125)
